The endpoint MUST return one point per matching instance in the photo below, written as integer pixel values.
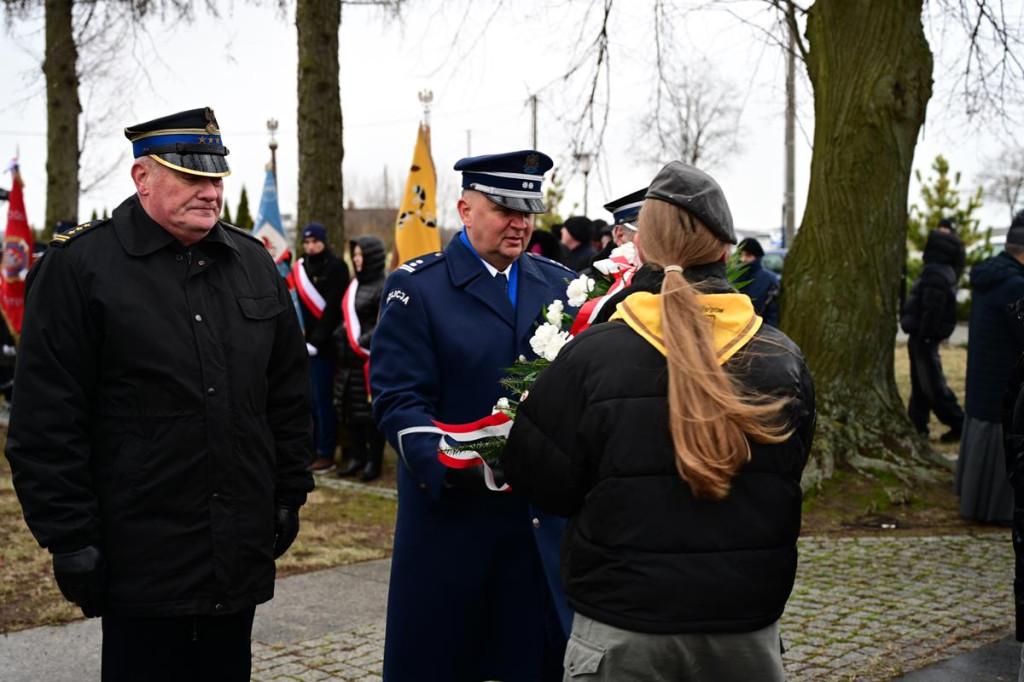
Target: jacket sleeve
(543, 460)
(48, 443)
(335, 289)
(289, 405)
(1013, 441)
(934, 300)
(405, 380)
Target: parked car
(774, 259)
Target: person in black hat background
(474, 591)
(679, 469)
(928, 318)
(764, 286)
(576, 234)
(321, 278)
(995, 344)
(161, 435)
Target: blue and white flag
(269, 230)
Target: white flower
(578, 290)
(606, 267)
(627, 250)
(548, 340)
(502, 404)
(554, 315)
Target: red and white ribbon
(307, 292)
(496, 425)
(353, 329)
(590, 310)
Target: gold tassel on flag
(416, 226)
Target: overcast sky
(243, 64)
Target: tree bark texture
(62, 111)
(319, 118)
(871, 69)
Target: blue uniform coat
(474, 574)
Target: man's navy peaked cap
(188, 141)
(626, 209)
(512, 180)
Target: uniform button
(536, 523)
(179, 257)
(423, 486)
(199, 318)
(211, 390)
(202, 262)
(215, 496)
(218, 607)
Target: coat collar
(468, 272)
(140, 235)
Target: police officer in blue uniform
(474, 592)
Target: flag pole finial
(426, 98)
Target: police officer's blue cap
(512, 180)
(626, 209)
(696, 192)
(188, 141)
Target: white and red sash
(496, 425)
(353, 329)
(588, 313)
(307, 292)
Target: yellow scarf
(733, 319)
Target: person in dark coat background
(996, 342)
(764, 287)
(320, 279)
(929, 317)
(681, 479)
(474, 592)
(1013, 441)
(576, 234)
(161, 432)
(360, 307)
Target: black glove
(286, 527)
(472, 478)
(80, 577)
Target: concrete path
(929, 609)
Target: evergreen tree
(95, 216)
(941, 198)
(105, 214)
(227, 214)
(243, 218)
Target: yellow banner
(416, 226)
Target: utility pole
(533, 118)
(272, 128)
(789, 210)
(469, 145)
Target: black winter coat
(592, 443)
(930, 313)
(163, 406)
(350, 385)
(329, 275)
(1013, 439)
(997, 339)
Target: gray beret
(697, 192)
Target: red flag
(17, 257)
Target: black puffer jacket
(640, 552)
(930, 311)
(1013, 439)
(350, 386)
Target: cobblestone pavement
(863, 609)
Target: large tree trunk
(871, 70)
(320, 126)
(62, 110)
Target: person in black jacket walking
(161, 431)
(681, 479)
(360, 307)
(321, 278)
(929, 317)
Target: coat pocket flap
(260, 307)
(582, 658)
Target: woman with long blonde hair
(673, 437)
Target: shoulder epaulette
(235, 229)
(75, 232)
(422, 263)
(547, 261)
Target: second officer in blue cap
(474, 592)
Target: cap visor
(517, 204)
(207, 165)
